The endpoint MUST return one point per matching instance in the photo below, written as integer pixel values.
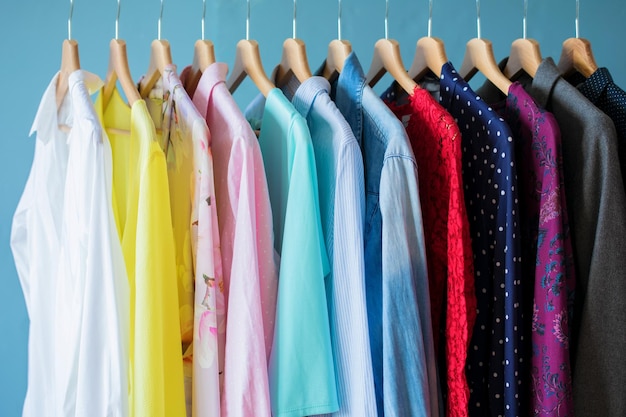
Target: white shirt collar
(47, 118)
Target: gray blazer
(597, 206)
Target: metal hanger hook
(69, 21)
(159, 22)
(478, 19)
(248, 21)
(339, 19)
(117, 20)
(524, 19)
(430, 18)
(386, 19)
(203, 16)
(295, 8)
(577, 18)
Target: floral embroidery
(560, 328)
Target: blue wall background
(31, 33)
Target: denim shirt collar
(347, 93)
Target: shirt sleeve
(101, 385)
(158, 372)
(408, 352)
(246, 387)
(302, 377)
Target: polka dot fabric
(608, 97)
(495, 368)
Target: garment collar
(594, 86)
(81, 84)
(46, 118)
(305, 95)
(213, 75)
(543, 84)
(448, 81)
(348, 94)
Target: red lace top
(436, 142)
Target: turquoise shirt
(301, 372)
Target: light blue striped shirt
(342, 207)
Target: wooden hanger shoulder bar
(525, 57)
(338, 51)
(293, 61)
(576, 55)
(479, 57)
(160, 57)
(248, 62)
(430, 55)
(387, 57)
(70, 62)
(203, 57)
(119, 70)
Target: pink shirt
(246, 235)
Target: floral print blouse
(546, 240)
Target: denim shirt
(395, 262)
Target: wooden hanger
(119, 70)
(248, 62)
(338, 51)
(203, 57)
(387, 57)
(160, 57)
(576, 55)
(430, 53)
(70, 62)
(430, 56)
(525, 57)
(293, 61)
(479, 57)
(525, 54)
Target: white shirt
(70, 264)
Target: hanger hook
(386, 19)
(478, 19)
(248, 21)
(430, 18)
(69, 21)
(295, 7)
(159, 22)
(524, 19)
(339, 19)
(117, 20)
(577, 17)
(203, 15)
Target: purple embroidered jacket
(546, 239)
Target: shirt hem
(308, 411)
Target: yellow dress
(141, 203)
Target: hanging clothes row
(434, 251)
